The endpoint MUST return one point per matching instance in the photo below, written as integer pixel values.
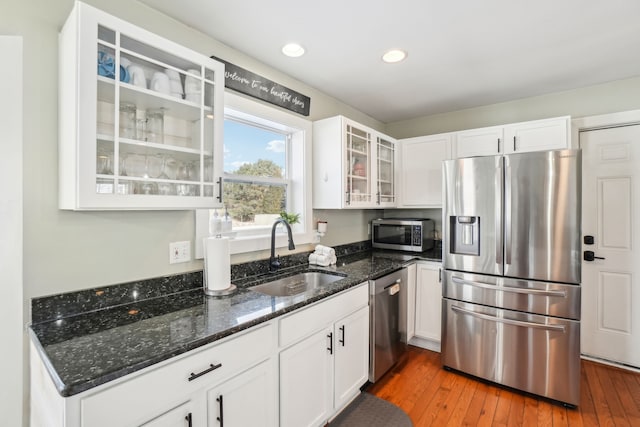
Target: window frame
(298, 163)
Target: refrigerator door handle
(554, 328)
(536, 292)
(498, 208)
(507, 212)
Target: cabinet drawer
(303, 323)
(148, 395)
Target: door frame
(603, 121)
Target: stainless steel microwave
(403, 234)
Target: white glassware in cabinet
(354, 166)
(420, 170)
(141, 118)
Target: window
(255, 173)
(267, 169)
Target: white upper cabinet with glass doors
(353, 166)
(141, 118)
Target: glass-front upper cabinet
(141, 118)
(385, 184)
(365, 176)
(357, 166)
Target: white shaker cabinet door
(487, 141)
(306, 381)
(538, 135)
(420, 171)
(428, 301)
(351, 349)
(248, 399)
(183, 415)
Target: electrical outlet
(179, 252)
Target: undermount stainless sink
(297, 284)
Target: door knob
(590, 256)
(588, 240)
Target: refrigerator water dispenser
(465, 235)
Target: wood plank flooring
(434, 397)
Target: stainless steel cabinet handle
(555, 328)
(513, 289)
(211, 367)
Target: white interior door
(610, 284)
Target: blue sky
(247, 144)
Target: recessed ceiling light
(394, 55)
(293, 50)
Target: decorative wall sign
(244, 81)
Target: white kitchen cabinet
(174, 390)
(410, 302)
(248, 399)
(487, 141)
(323, 371)
(351, 365)
(536, 135)
(127, 137)
(420, 170)
(180, 416)
(353, 166)
(428, 305)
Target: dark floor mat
(368, 410)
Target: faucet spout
(274, 263)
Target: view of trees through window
(255, 183)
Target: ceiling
(461, 54)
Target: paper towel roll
(217, 263)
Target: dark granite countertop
(93, 347)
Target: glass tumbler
(128, 120)
(155, 126)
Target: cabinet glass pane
(386, 171)
(358, 165)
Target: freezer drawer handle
(555, 328)
(538, 292)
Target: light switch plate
(179, 252)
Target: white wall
(65, 250)
(11, 320)
(621, 95)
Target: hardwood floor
(435, 397)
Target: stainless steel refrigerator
(511, 282)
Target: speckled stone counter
(91, 337)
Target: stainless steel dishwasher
(387, 301)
